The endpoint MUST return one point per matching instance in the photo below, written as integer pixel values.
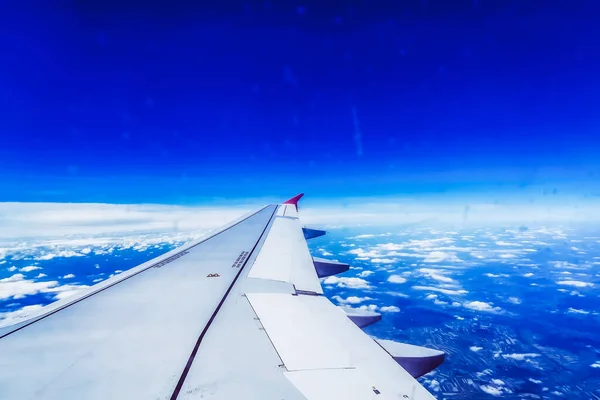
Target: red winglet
(294, 200)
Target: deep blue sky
(172, 102)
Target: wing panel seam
(192, 356)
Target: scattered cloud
(68, 276)
(595, 365)
(520, 356)
(481, 306)
(17, 287)
(436, 274)
(496, 275)
(503, 243)
(494, 391)
(13, 317)
(29, 268)
(396, 279)
(439, 256)
(577, 311)
(475, 348)
(389, 309)
(514, 300)
(63, 254)
(347, 282)
(365, 274)
(351, 299)
(370, 235)
(40, 275)
(537, 382)
(383, 260)
(441, 290)
(483, 373)
(578, 284)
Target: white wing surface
(237, 315)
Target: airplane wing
(239, 314)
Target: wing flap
(313, 337)
(298, 327)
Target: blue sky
(180, 104)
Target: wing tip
(294, 200)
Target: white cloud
(508, 255)
(58, 219)
(13, 278)
(431, 296)
(502, 243)
(389, 309)
(22, 220)
(576, 311)
(475, 348)
(396, 279)
(349, 282)
(13, 317)
(481, 306)
(441, 290)
(397, 294)
(498, 382)
(370, 307)
(434, 385)
(68, 276)
(436, 274)
(383, 260)
(595, 365)
(514, 300)
(29, 268)
(351, 299)
(370, 235)
(496, 275)
(439, 256)
(12, 269)
(494, 391)
(17, 287)
(528, 275)
(520, 356)
(537, 382)
(575, 283)
(365, 274)
(364, 254)
(483, 373)
(59, 254)
(40, 275)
